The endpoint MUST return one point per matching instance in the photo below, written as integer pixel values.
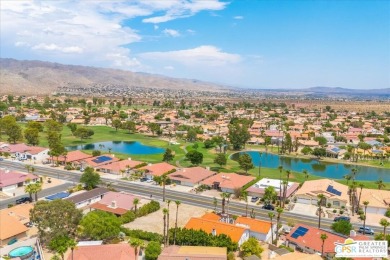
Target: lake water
(319, 168)
(125, 147)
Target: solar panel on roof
(300, 231)
(101, 159)
(333, 190)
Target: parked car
(143, 179)
(254, 199)
(1, 159)
(29, 224)
(268, 207)
(23, 200)
(286, 230)
(366, 230)
(343, 218)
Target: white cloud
(191, 31)
(169, 67)
(171, 32)
(205, 55)
(156, 27)
(238, 17)
(54, 47)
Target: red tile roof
(73, 156)
(255, 225)
(228, 180)
(191, 175)
(103, 252)
(158, 169)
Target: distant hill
(39, 77)
(337, 90)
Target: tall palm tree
(271, 215)
(365, 203)
(348, 178)
(280, 168)
(30, 189)
(135, 203)
(224, 196)
(323, 238)
(164, 179)
(384, 223)
(244, 197)
(361, 186)
(227, 204)
(168, 203)
(177, 202)
(279, 210)
(72, 245)
(135, 243)
(165, 212)
(37, 188)
(321, 198)
(352, 194)
(380, 184)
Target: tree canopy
(100, 225)
(90, 178)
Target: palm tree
(380, 184)
(244, 197)
(306, 174)
(384, 223)
(321, 198)
(30, 189)
(323, 238)
(348, 178)
(365, 203)
(135, 203)
(228, 195)
(361, 186)
(177, 214)
(352, 195)
(168, 203)
(164, 179)
(271, 215)
(224, 196)
(279, 210)
(72, 245)
(37, 188)
(280, 168)
(165, 212)
(135, 242)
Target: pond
(315, 167)
(126, 147)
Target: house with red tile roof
(73, 157)
(98, 161)
(193, 253)
(191, 176)
(236, 233)
(258, 189)
(10, 180)
(227, 182)
(157, 169)
(260, 229)
(103, 252)
(119, 167)
(308, 239)
(117, 203)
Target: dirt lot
(154, 222)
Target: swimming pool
(22, 252)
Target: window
(336, 203)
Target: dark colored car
(143, 179)
(342, 218)
(23, 200)
(254, 199)
(367, 230)
(268, 207)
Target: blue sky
(244, 43)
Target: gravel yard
(154, 222)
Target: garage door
(375, 210)
(304, 201)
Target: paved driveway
(304, 209)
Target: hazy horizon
(245, 44)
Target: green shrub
(328, 205)
(286, 247)
(148, 208)
(143, 235)
(128, 217)
(387, 214)
(287, 201)
(334, 211)
(96, 153)
(341, 211)
(153, 250)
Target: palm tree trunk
(174, 234)
(164, 191)
(246, 209)
(319, 214)
(168, 228)
(164, 232)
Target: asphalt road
(156, 192)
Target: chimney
(113, 204)
(129, 159)
(208, 168)
(352, 233)
(214, 232)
